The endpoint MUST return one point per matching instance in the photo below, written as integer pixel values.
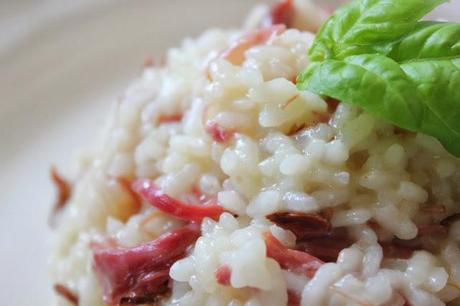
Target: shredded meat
(326, 248)
(451, 219)
(66, 293)
(427, 239)
(404, 249)
(223, 275)
(293, 298)
(393, 250)
(218, 133)
(303, 225)
(235, 54)
(433, 209)
(133, 274)
(64, 189)
(437, 230)
(291, 260)
(332, 104)
(147, 189)
(314, 233)
(152, 300)
(170, 118)
(281, 13)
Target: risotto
(219, 182)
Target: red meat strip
(190, 212)
(325, 248)
(291, 260)
(281, 12)
(303, 225)
(66, 293)
(64, 189)
(142, 272)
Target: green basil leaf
(367, 26)
(374, 82)
(376, 54)
(428, 40)
(420, 96)
(438, 82)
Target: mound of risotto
(221, 181)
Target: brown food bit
(415, 244)
(373, 224)
(64, 189)
(170, 118)
(327, 213)
(152, 300)
(434, 209)
(303, 225)
(66, 293)
(451, 219)
(293, 298)
(291, 260)
(320, 118)
(432, 230)
(314, 233)
(332, 104)
(400, 131)
(393, 250)
(399, 248)
(325, 248)
(357, 160)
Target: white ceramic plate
(62, 63)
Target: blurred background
(62, 64)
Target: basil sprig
(376, 54)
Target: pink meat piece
(281, 12)
(292, 260)
(235, 54)
(141, 271)
(147, 189)
(218, 133)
